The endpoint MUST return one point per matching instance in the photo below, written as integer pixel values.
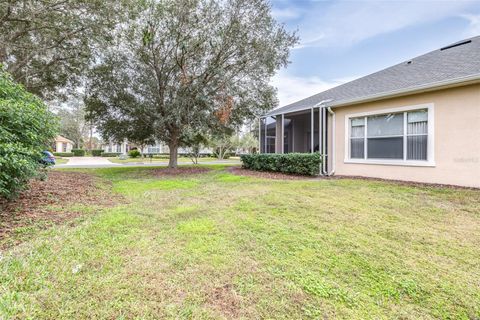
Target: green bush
(63, 154)
(78, 152)
(26, 129)
(134, 153)
(294, 163)
(97, 152)
(111, 154)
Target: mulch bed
(406, 183)
(265, 174)
(180, 171)
(51, 200)
(282, 176)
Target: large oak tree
(189, 65)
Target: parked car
(48, 159)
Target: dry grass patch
(62, 197)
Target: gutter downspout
(259, 134)
(324, 141)
(330, 111)
(322, 129)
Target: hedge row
(97, 152)
(63, 154)
(78, 152)
(294, 163)
(111, 154)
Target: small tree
(249, 142)
(72, 123)
(193, 143)
(223, 144)
(26, 129)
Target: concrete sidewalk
(87, 161)
(98, 162)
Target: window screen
(357, 138)
(417, 135)
(385, 136)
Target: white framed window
(397, 136)
(153, 149)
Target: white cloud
(474, 24)
(285, 13)
(294, 88)
(345, 23)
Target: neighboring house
(62, 144)
(114, 147)
(418, 121)
(158, 148)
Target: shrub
(134, 153)
(111, 154)
(97, 152)
(295, 163)
(63, 154)
(26, 129)
(78, 152)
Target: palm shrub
(26, 129)
(134, 153)
(293, 163)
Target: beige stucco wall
(59, 146)
(456, 134)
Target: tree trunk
(173, 146)
(220, 153)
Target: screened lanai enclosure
(291, 132)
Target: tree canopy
(190, 65)
(46, 45)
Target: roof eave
(461, 81)
(456, 82)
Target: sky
(344, 40)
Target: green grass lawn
(216, 245)
(148, 160)
(59, 160)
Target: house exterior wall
(63, 146)
(456, 138)
(59, 146)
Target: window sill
(393, 162)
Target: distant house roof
(63, 139)
(453, 64)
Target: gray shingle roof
(438, 66)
